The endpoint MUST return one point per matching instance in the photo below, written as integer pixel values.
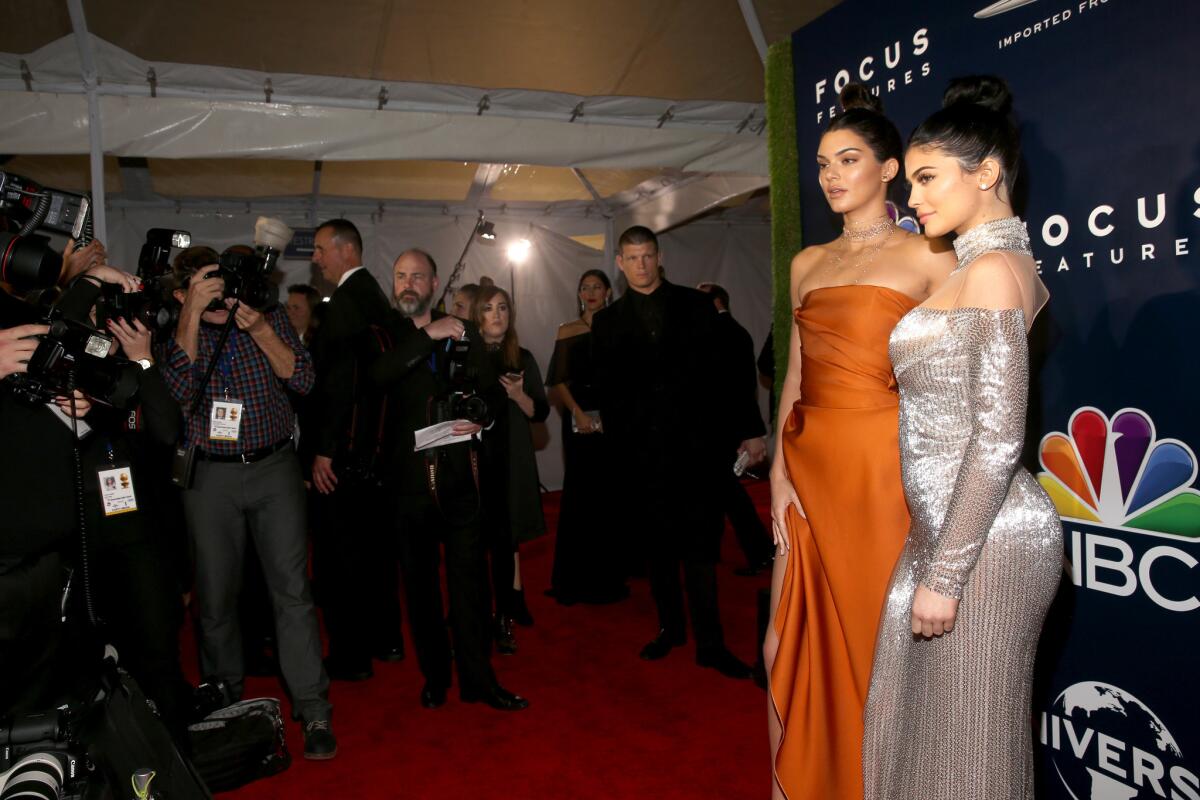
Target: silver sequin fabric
(949, 718)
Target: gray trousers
(266, 499)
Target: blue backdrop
(1108, 96)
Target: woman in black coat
(512, 502)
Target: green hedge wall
(785, 193)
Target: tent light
(518, 251)
(487, 231)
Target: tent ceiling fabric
(663, 92)
(642, 48)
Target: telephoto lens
(27, 263)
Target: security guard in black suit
(665, 399)
(354, 561)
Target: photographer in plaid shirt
(247, 478)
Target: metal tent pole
(96, 147)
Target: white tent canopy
(557, 120)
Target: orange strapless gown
(842, 452)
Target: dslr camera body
(154, 306)
(461, 398)
(73, 354)
(247, 272)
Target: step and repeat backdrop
(1108, 98)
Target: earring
(983, 186)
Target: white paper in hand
(438, 435)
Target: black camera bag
(239, 744)
(124, 735)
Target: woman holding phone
(510, 489)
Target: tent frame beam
(750, 14)
(87, 61)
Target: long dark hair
(975, 123)
(510, 348)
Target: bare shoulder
(572, 328)
(933, 257)
(804, 261)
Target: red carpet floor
(602, 722)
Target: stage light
(487, 231)
(518, 251)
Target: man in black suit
(356, 580)
(435, 492)
(751, 534)
(662, 378)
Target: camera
(246, 278)
(247, 271)
(154, 305)
(32, 206)
(40, 752)
(27, 263)
(75, 355)
(461, 400)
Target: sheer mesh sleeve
(560, 363)
(997, 389)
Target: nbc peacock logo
(1117, 473)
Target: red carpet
(602, 722)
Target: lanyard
(225, 362)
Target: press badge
(116, 491)
(226, 420)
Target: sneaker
(319, 742)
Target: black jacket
(415, 372)
(743, 379)
(667, 405)
(342, 420)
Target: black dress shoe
(506, 640)
(390, 654)
(433, 696)
(339, 670)
(724, 662)
(495, 696)
(662, 644)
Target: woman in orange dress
(837, 504)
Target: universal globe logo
(1106, 744)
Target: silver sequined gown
(950, 718)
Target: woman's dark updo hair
(862, 113)
(975, 123)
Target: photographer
(247, 477)
(137, 596)
(436, 491)
(36, 541)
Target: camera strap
(431, 467)
(183, 466)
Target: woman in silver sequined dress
(948, 714)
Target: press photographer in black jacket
(436, 491)
(37, 489)
(137, 593)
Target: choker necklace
(865, 231)
(1007, 233)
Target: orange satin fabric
(841, 448)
